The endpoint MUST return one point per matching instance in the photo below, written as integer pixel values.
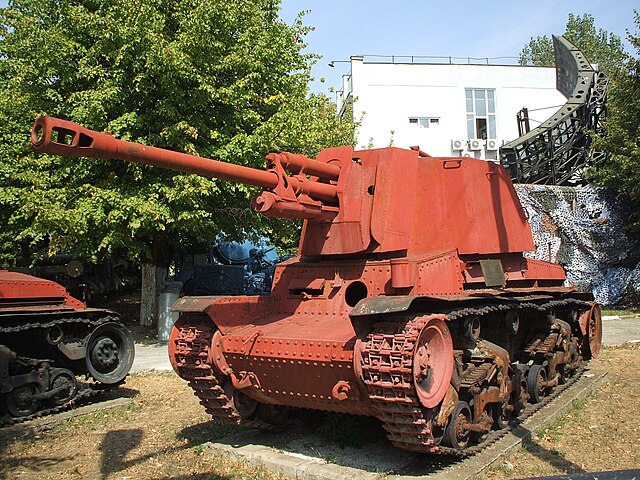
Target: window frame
(481, 113)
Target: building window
(481, 113)
(424, 122)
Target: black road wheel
(437, 432)
(536, 380)
(273, 414)
(501, 415)
(110, 353)
(20, 402)
(456, 434)
(243, 404)
(66, 380)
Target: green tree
(599, 46)
(622, 139)
(219, 79)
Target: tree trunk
(154, 275)
(149, 295)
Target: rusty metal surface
(397, 304)
(52, 337)
(20, 289)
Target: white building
(445, 108)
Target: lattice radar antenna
(557, 152)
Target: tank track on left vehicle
(86, 393)
(57, 322)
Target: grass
(620, 311)
(597, 434)
(559, 425)
(99, 418)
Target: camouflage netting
(582, 228)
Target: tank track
(192, 360)
(59, 321)
(85, 391)
(387, 366)
(387, 369)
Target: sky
(458, 28)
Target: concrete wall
(386, 95)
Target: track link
(86, 393)
(57, 322)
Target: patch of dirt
(160, 436)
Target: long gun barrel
(285, 196)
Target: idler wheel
(20, 402)
(67, 380)
(104, 354)
(433, 362)
(457, 434)
(110, 353)
(536, 383)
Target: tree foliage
(219, 79)
(622, 139)
(599, 46)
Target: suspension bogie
(506, 359)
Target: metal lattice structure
(556, 152)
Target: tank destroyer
(410, 299)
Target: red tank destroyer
(410, 298)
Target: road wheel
(456, 434)
(67, 380)
(536, 383)
(20, 402)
